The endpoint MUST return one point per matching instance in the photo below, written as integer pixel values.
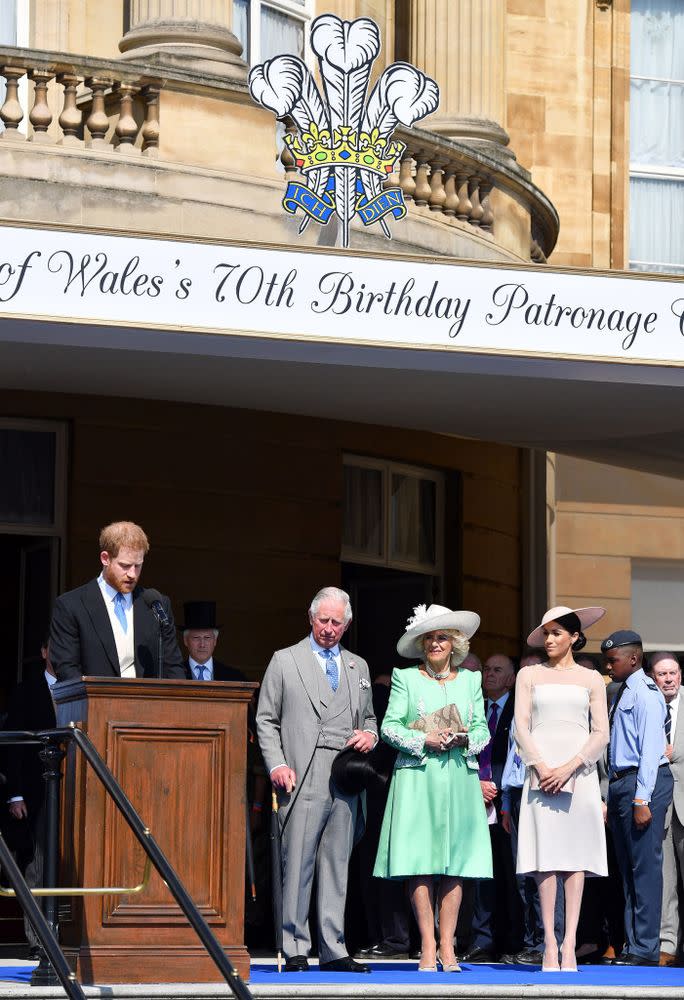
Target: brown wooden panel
(176, 779)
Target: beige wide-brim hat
(587, 617)
(429, 620)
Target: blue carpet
(16, 973)
(396, 973)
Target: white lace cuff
(413, 744)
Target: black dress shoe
(478, 955)
(346, 964)
(298, 963)
(381, 951)
(528, 956)
(629, 959)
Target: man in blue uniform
(639, 793)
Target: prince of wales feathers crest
(344, 146)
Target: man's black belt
(616, 775)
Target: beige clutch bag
(569, 785)
(448, 717)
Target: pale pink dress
(560, 712)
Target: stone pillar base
(468, 127)
(186, 45)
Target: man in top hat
(200, 635)
(639, 794)
(315, 700)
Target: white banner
(339, 296)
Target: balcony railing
(111, 105)
(92, 92)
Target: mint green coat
(435, 821)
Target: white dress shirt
(125, 641)
(674, 712)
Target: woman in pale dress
(435, 822)
(561, 721)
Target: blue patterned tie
(331, 671)
(201, 667)
(120, 610)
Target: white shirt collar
(209, 665)
(51, 681)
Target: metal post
(51, 755)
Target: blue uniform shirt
(513, 773)
(637, 734)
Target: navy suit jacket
(82, 641)
(500, 741)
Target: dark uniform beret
(623, 637)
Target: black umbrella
(277, 879)
(249, 858)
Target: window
(267, 29)
(32, 480)
(14, 30)
(392, 515)
(657, 601)
(657, 136)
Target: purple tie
(485, 757)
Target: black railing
(45, 924)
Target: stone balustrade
(101, 104)
(455, 180)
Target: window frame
(56, 527)
(303, 12)
(387, 469)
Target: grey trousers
(673, 861)
(318, 838)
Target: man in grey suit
(316, 699)
(666, 673)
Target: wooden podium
(178, 749)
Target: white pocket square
(363, 683)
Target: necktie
(486, 755)
(331, 671)
(621, 691)
(120, 610)
(201, 667)
(668, 725)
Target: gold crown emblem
(344, 147)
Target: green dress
(435, 821)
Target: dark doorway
(382, 601)
(26, 595)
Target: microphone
(152, 599)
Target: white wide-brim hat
(587, 617)
(433, 618)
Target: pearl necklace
(438, 676)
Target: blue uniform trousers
(639, 856)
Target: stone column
(192, 35)
(462, 45)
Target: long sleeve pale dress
(561, 712)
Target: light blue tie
(120, 610)
(331, 671)
(201, 667)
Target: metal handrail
(104, 890)
(144, 837)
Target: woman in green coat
(435, 822)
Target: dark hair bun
(579, 643)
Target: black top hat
(353, 771)
(199, 614)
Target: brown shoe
(667, 958)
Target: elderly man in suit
(105, 628)
(200, 635)
(667, 674)
(497, 913)
(315, 700)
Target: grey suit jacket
(677, 762)
(291, 702)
